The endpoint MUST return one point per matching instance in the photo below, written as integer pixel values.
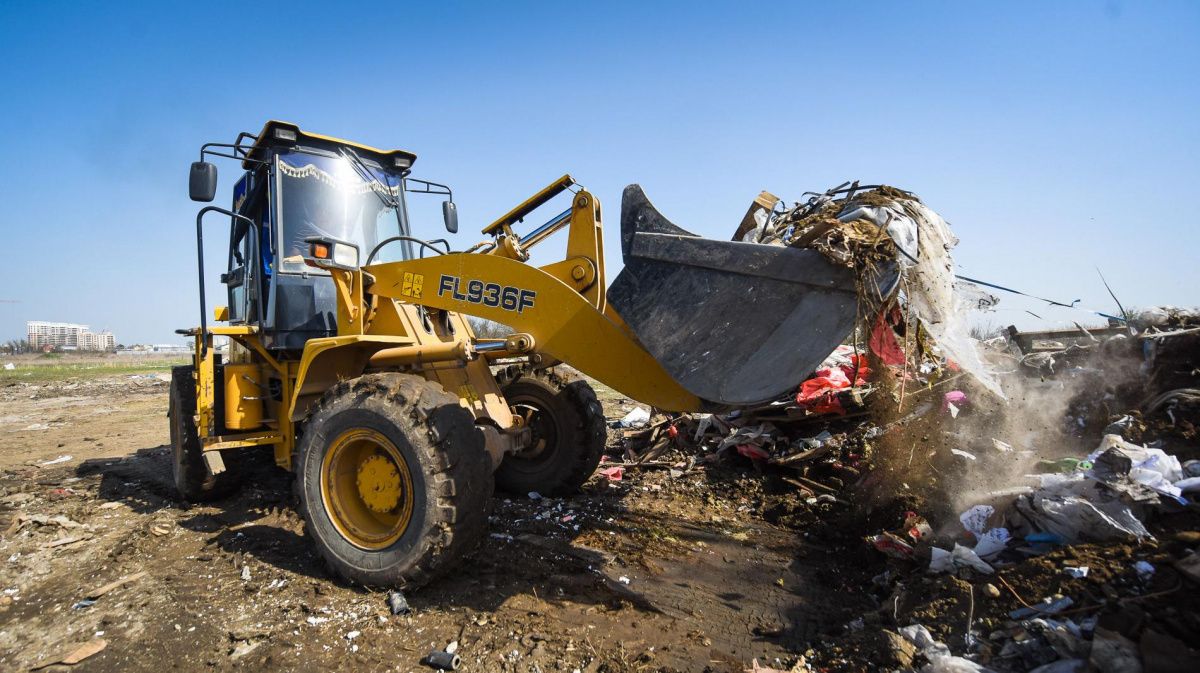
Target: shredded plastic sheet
(992, 542)
(1148, 468)
(819, 392)
(975, 519)
(924, 241)
(941, 560)
(937, 654)
(1076, 509)
(636, 418)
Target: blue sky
(1057, 138)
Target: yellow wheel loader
(344, 345)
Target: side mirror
(450, 215)
(202, 182)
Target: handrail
(200, 263)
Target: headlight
(328, 253)
(345, 255)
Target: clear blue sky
(1056, 137)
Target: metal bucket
(734, 323)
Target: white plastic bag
(637, 418)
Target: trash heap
(1086, 558)
(865, 228)
(910, 336)
(1008, 545)
(1089, 562)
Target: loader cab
(295, 186)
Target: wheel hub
(378, 483)
(541, 433)
(366, 488)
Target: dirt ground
(654, 572)
(708, 568)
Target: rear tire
(393, 480)
(568, 426)
(192, 479)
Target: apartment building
(68, 336)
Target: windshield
(329, 196)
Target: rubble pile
(910, 338)
(1089, 564)
(1081, 551)
(872, 229)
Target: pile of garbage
(780, 435)
(858, 226)
(1142, 367)
(1050, 549)
(821, 436)
(1085, 560)
(1109, 538)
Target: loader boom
(561, 306)
(562, 322)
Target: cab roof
(277, 133)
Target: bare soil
(702, 569)
(648, 573)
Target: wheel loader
(344, 344)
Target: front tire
(569, 432)
(393, 480)
(191, 476)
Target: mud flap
(734, 323)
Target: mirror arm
(240, 151)
(213, 153)
(427, 184)
(200, 262)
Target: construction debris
(116, 584)
(1083, 521)
(76, 655)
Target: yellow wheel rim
(367, 488)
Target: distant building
(156, 349)
(97, 341)
(67, 336)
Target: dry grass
(41, 368)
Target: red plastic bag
(613, 473)
(883, 343)
(752, 452)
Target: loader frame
(408, 316)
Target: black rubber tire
(451, 477)
(580, 432)
(192, 479)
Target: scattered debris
(614, 473)
(56, 461)
(81, 652)
(638, 417)
(116, 584)
(441, 659)
(900, 543)
(397, 603)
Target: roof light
(285, 134)
(403, 162)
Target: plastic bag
(924, 240)
(636, 418)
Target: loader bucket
(736, 324)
